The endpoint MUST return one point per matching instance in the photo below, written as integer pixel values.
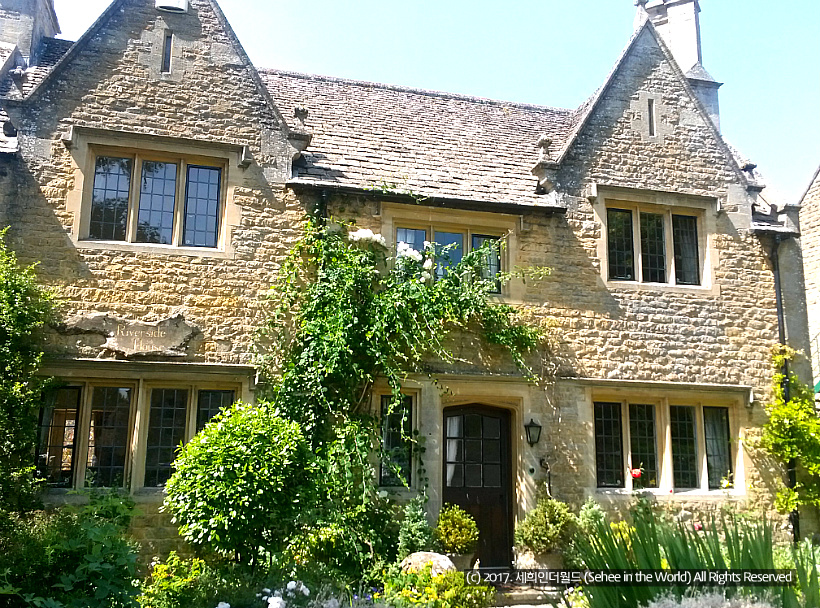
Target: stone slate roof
(437, 145)
(52, 50)
(6, 51)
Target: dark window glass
(609, 459)
(209, 404)
(413, 237)
(653, 248)
(202, 206)
(454, 244)
(166, 53)
(166, 432)
(642, 443)
(651, 116)
(397, 432)
(684, 446)
(108, 436)
(620, 245)
(58, 437)
(155, 221)
(109, 201)
(718, 446)
(687, 258)
(473, 458)
(492, 262)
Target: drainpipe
(321, 208)
(791, 467)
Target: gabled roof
(436, 145)
(814, 180)
(52, 52)
(588, 109)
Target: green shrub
(590, 516)
(447, 590)
(72, 557)
(192, 583)
(456, 531)
(415, 534)
(24, 309)
(241, 483)
(548, 527)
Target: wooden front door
(478, 476)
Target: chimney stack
(25, 23)
(678, 23)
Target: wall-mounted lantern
(533, 430)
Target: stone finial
(543, 144)
(300, 113)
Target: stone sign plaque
(169, 337)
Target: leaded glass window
(210, 403)
(687, 257)
(718, 446)
(492, 262)
(58, 437)
(684, 446)
(397, 432)
(620, 245)
(653, 248)
(108, 436)
(109, 199)
(609, 458)
(202, 207)
(643, 443)
(155, 222)
(166, 432)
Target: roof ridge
(406, 89)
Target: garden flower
(428, 264)
(404, 250)
(305, 591)
(223, 605)
(277, 602)
(636, 473)
(291, 585)
(366, 235)
(698, 526)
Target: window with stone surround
(87, 432)
(677, 446)
(397, 453)
(650, 245)
(156, 198)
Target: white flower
(366, 235)
(266, 591)
(277, 602)
(404, 250)
(291, 585)
(305, 591)
(426, 277)
(428, 264)
(223, 605)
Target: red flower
(636, 473)
(698, 526)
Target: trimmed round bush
(241, 483)
(546, 528)
(456, 531)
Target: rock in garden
(415, 562)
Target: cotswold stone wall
(810, 239)
(210, 97)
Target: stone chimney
(25, 23)
(678, 23)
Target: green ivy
(24, 308)
(792, 433)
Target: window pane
(58, 439)
(108, 436)
(718, 446)
(684, 446)
(109, 201)
(687, 258)
(642, 443)
(158, 185)
(166, 431)
(620, 245)
(453, 255)
(413, 237)
(609, 460)
(492, 261)
(653, 248)
(397, 432)
(202, 196)
(209, 404)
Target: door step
(542, 597)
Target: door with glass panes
(478, 476)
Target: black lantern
(533, 430)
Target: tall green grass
(728, 543)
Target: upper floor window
(154, 199)
(653, 246)
(451, 246)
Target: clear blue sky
(547, 52)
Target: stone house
(159, 178)
(810, 223)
